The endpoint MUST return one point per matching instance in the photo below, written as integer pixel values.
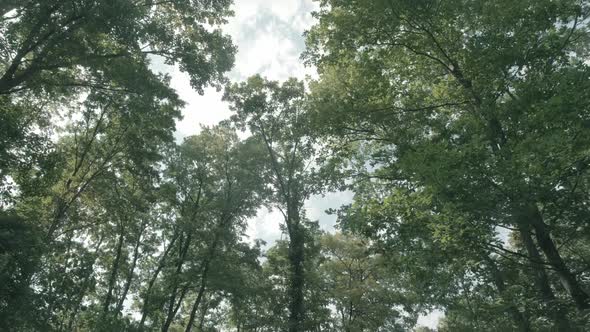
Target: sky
(268, 35)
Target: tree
(461, 127)
(362, 288)
(83, 114)
(56, 52)
(211, 189)
(105, 45)
(19, 258)
(274, 113)
(467, 103)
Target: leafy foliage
(461, 128)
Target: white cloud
(431, 319)
(269, 37)
(316, 206)
(265, 226)
(269, 55)
(282, 9)
(200, 110)
(285, 10)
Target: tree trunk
(131, 271)
(172, 307)
(536, 263)
(85, 285)
(153, 280)
(62, 275)
(566, 277)
(541, 280)
(203, 314)
(191, 319)
(297, 282)
(206, 264)
(114, 271)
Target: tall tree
(274, 113)
(469, 102)
(56, 52)
(82, 113)
(211, 188)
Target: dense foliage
(461, 127)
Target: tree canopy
(462, 129)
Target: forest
(461, 128)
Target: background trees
(86, 125)
(464, 107)
(362, 287)
(55, 53)
(461, 127)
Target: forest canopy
(460, 128)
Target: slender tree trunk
(114, 272)
(205, 270)
(153, 279)
(541, 279)
(536, 264)
(203, 314)
(131, 271)
(191, 319)
(566, 277)
(62, 278)
(172, 307)
(297, 282)
(85, 285)
(202, 287)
